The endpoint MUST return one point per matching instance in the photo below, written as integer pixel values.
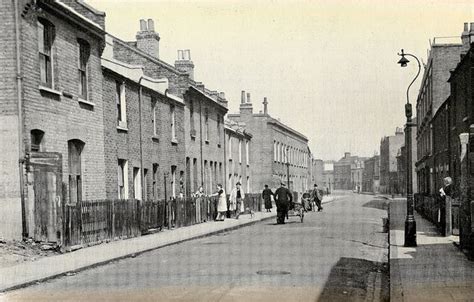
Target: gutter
(21, 155)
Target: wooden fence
(95, 221)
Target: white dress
(222, 202)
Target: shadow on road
(380, 204)
(353, 279)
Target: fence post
(113, 219)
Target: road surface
(335, 255)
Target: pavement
(340, 254)
(435, 270)
(28, 273)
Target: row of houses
(85, 115)
(444, 144)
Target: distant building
(402, 167)
(357, 170)
(389, 147)
(434, 90)
(277, 149)
(371, 175)
(328, 176)
(238, 150)
(317, 172)
(343, 178)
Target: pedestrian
(283, 198)
(236, 200)
(316, 197)
(221, 203)
(267, 198)
(199, 195)
(447, 189)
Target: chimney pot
(248, 97)
(471, 31)
(143, 26)
(222, 95)
(242, 97)
(151, 25)
(265, 103)
(466, 28)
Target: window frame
(45, 52)
(83, 50)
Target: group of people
(236, 204)
(283, 199)
(282, 196)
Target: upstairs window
(154, 105)
(240, 151)
(45, 43)
(83, 49)
(218, 129)
(247, 152)
(206, 121)
(121, 103)
(173, 123)
(36, 139)
(191, 114)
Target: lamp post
(410, 223)
(288, 167)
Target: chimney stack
(245, 107)
(184, 63)
(265, 107)
(471, 33)
(147, 39)
(465, 37)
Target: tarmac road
(335, 255)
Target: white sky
(328, 68)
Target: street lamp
(288, 166)
(410, 223)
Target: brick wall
(64, 118)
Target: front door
(45, 218)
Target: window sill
(85, 102)
(122, 128)
(174, 141)
(155, 138)
(49, 90)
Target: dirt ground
(15, 252)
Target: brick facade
(433, 92)
(238, 150)
(371, 175)
(56, 111)
(274, 145)
(389, 147)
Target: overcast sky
(328, 68)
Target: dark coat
(283, 196)
(267, 197)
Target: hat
(283, 184)
(315, 185)
(238, 183)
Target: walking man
(236, 200)
(283, 198)
(316, 196)
(267, 198)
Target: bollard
(386, 224)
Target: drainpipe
(21, 156)
(142, 173)
(200, 138)
(225, 156)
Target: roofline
(208, 97)
(148, 56)
(285, 127)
